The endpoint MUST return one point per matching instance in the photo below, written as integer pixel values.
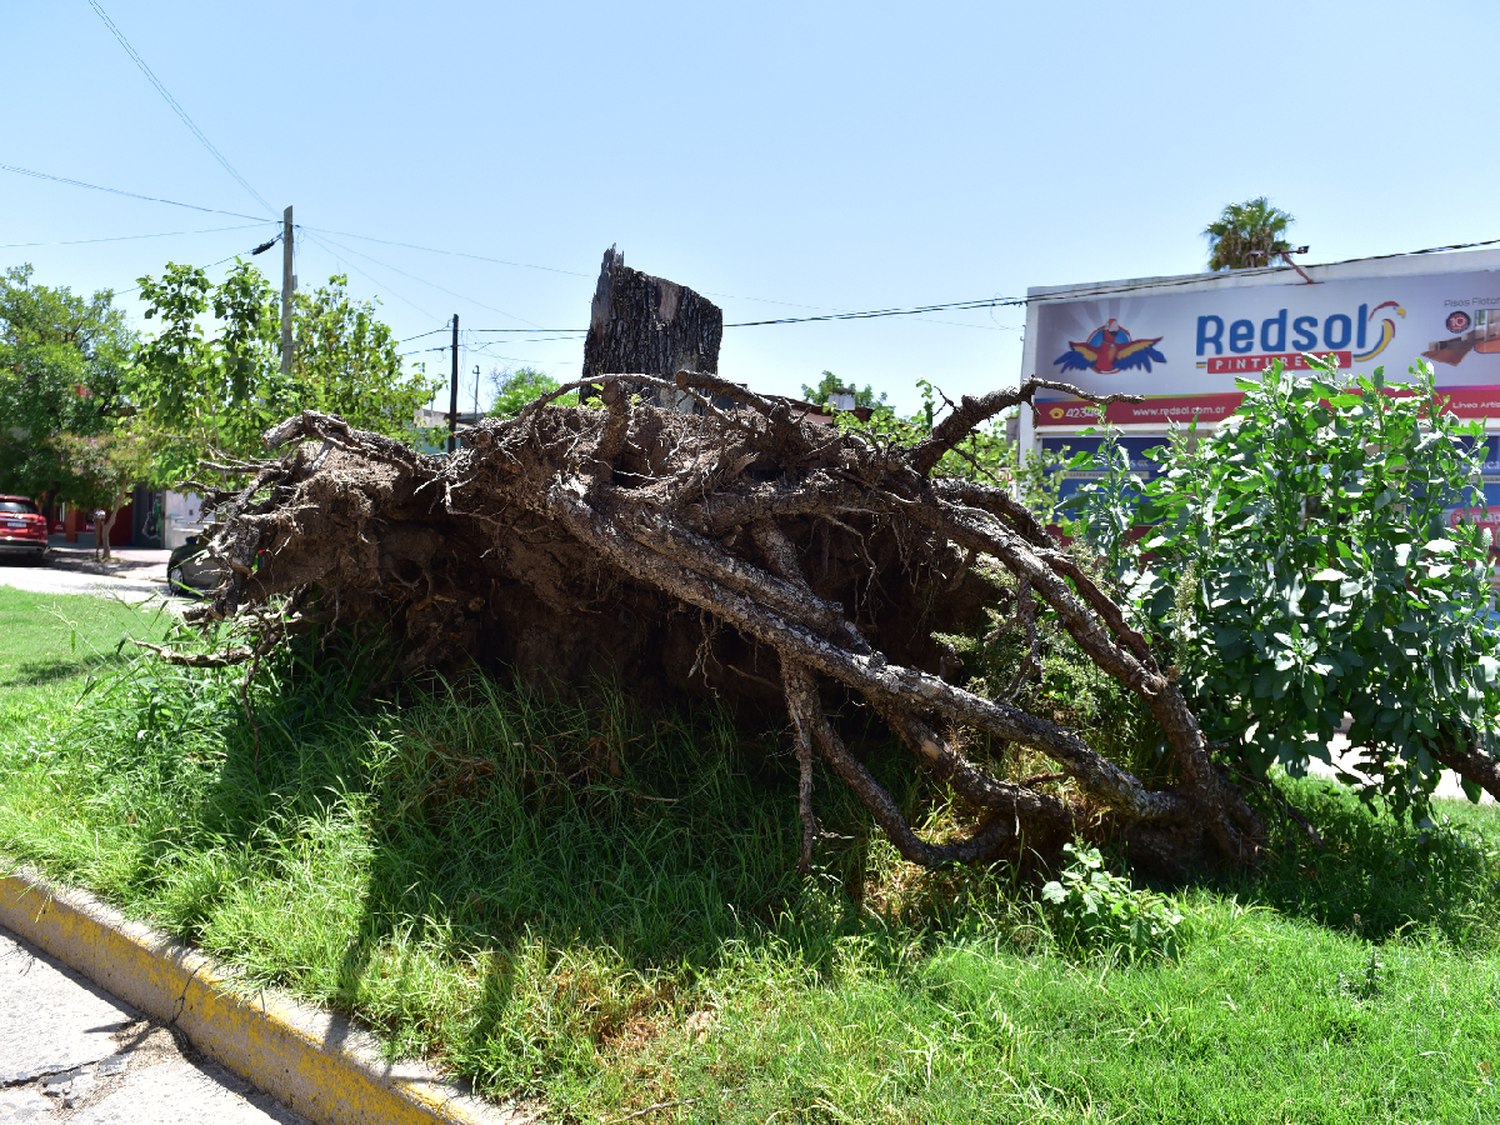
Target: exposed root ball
(738, 550)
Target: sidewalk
(80, 556)
(68, 1044)
(68, 1047)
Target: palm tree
(1247, 234)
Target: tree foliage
(1247, 234)
(209, 382)
(101, 472)
(1302, 564)
(63, 361)
(514, 389)
(830, 385)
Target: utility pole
(476, 392)
(453, 394)
(288, 285)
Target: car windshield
(19, 507)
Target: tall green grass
(595, 906)
(60, 641)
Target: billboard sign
(1185, 349)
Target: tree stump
(650, 326)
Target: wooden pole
(453, 394)
(288, 285)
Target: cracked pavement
(71, 1052)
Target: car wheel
(177, 582)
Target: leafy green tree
(1247, 234)
(514, 389)
(200, 394)
(347, 363)
(831, 385)
(209, 382)
(63, 360)
(101, 472)
(1303, 565)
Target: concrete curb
(317, 1064)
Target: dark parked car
(23, 528)
(191, 570)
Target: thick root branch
(571, 541)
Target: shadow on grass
(1377, 875)
(39, 673)
(551, 863)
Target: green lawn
(50, 645)
(596, 908)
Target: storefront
(1183, 341)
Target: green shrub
(1301, 566)
(1090, 908)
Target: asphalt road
(71, 1052)
(132, 574)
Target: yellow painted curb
(315, 1063)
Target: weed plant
(595, 907)
(1059, 682)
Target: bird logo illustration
(1110, 350)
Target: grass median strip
(596, 907)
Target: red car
(23, 528)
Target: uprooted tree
(739, 549)
(720, 542)
(685, 534)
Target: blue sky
(784, 159)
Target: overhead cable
(177, 109)
(128, 194)
(212, 265)
(451, 253)
(129, 237)
(433, 284)
(1102, 289)
(378, 284)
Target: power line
(214, 265)
(867, 314)
(182, 113)
(127, 194)
(575, 273)
(435, 285)
(129, 237)
(1107, 289)
(378, 284)
(1103, 289)
(451, 253)
(874, 314)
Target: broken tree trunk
(740, 550)
(646, 324)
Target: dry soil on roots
(739, 551)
